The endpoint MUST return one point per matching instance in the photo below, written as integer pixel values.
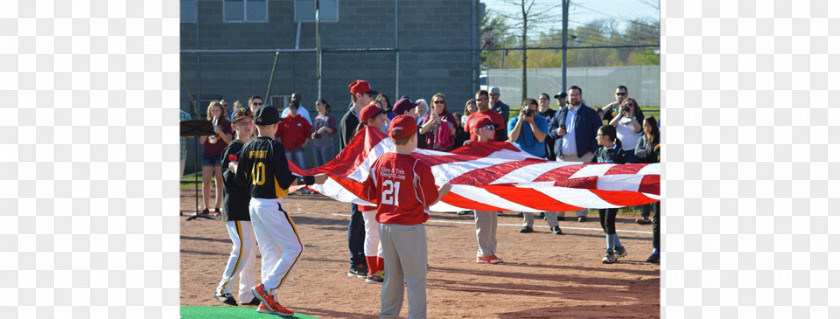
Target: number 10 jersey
(264, 168)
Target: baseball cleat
(620, 252)
(268, 304)
(227, 298)
(358, 271)
(492, 259)
(609, 257)
(263, 309)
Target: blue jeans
(322, 154)
(211, 160)
(298, 157)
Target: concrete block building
(414, 48)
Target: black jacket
(347, 128)
(549, 141)
(264, 169)
(236, 198)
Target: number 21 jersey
(403, 187)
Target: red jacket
(293, 131)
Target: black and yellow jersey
(263, 166)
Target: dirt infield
(544, 275)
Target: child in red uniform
(404, 188)
(294, 132)
(374, 117)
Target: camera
(528, 112)
(625, 108)
(317, 135)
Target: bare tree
(529, 16)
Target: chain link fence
(598, 83)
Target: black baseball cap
(240, 114)
(266, 115)
(560, 95)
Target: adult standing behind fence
(360, 95)
(614, 109)
(294, 133)
(628, 125)
(482, 99)
(501, 108)
(295, 98)
(254, 102)
(323, 130)
(574, 128)
(438, 127)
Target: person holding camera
(628, 125)
(612, 110)
(528, 132)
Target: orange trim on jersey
(298, 256)
(279, 191)
(239, 258)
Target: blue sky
(581, 12)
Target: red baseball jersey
(473, 119)
(403, 187)
(293, 132)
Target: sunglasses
(487, 127)
(440, 102)
(482, 100)
(260, 103)
(621, 94)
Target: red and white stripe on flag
(496, 177)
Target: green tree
(493, 31)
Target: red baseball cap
(402, 126)
(484, 122)
(370, 111)
(360, 86)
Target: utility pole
(524, 51)
(318, 43)
(565, 38)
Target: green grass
(228, 313)
(189, 181)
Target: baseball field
(544, 275)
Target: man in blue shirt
(574, 128)
(527, 131)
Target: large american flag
(496, 177)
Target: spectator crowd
(568, 131)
